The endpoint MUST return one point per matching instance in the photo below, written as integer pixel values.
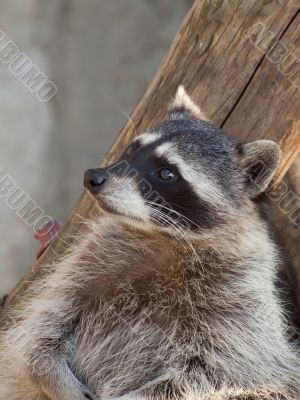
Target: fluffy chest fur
(151, 307)
(147, 311)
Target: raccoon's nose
(94, 179)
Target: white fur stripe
(202, 185)
(147, 138)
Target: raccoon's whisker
(83, 220)
(160, 217)
(174, 212)
(179, 229)
(180, 234)
(170, 222)
(124, 113)
(170, 219)
(177, 235)
(177, 213)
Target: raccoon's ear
(259, 161)
(183, 107)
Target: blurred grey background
(98, 53)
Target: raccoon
(172, 293)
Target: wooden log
(286, 212)
(231, 56)
(287, 226)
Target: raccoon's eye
(132, 148)
(166, 174)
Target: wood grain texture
(286, 212)
(222, 53)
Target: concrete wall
(99, 53)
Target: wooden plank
(214, 58)
(291, 240)
(269, 106)
(286, 212)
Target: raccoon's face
(184, 173)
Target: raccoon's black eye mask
(132, 148)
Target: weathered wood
(289, 231)
(269, 106)
(223, 55)
(286, 211)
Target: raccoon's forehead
(191, 138)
